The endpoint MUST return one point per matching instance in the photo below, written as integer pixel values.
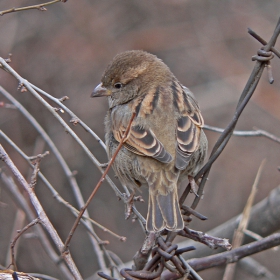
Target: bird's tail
(164, 211)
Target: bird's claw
(129, 202)
(193, 185)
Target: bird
(165, 143)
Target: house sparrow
(165, 143)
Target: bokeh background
(65, 50)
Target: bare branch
(73, 210)
(74, 118)
(265, 220)
(21, 202)
(20, 232)
(40, 7)
(18, 223)
(245, 133)
(124, 138)
(73, 183)
(239, 232)
(211, 241)
(229, 257)
(40, 211)
(236, 254)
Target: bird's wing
(141, 141)
(189, 125)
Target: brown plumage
(166, 142)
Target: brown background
(65, 50)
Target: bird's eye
(118, 85)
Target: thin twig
(40, 212)
(124, 138)
(19, 221)
(20, 232)
(21, 202)
(9, 274)
(74, 118)
(57, 196)
(239, 233)
(61, 160)
(72, 180)
(40, 7)
(245, 133)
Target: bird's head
(131, 74)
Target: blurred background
(65, 50)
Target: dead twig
(239, 232)
(57, 196)
(20, 232)
(40, 212)
(72, 180)
(211, 241)
(236, 254)
(228, 257)
(36, 163)
(74, 118)
(40, 7)
(246, 133)
(21, 202)
(124, 138)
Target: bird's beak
(100, 91)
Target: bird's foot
(129, 202)
(194, 187)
